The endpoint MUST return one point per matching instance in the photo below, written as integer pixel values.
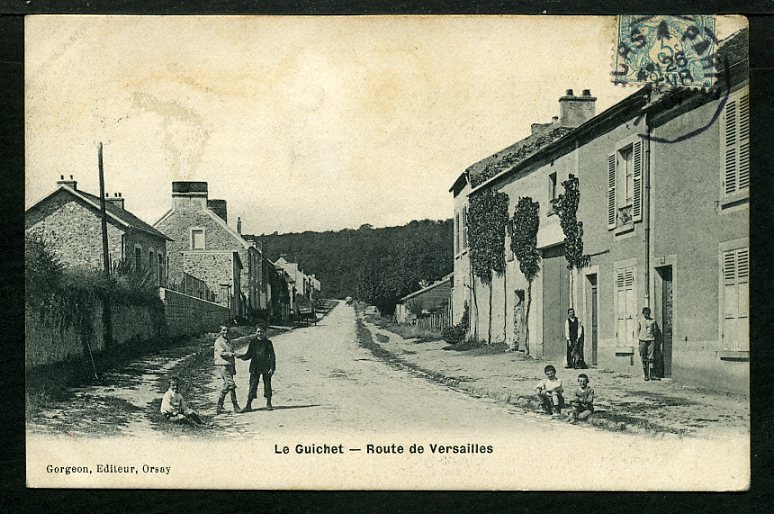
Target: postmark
(666, 51)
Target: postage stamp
(666, 51)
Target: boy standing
(263, 362)
(573, 335)
(550, 391)
(646, 330)
(223, 355)
(583, 403)
(174, 408)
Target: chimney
(189, 194)
(72, 184)
(117, 200)
(576, 110)
(239, 225)
(219, 208)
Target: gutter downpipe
(646, 207)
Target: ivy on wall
(487, 218)
(566, 207)
(525, 225)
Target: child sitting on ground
(174, 408)
(583, 403)
(550, 391)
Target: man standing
(573, 334)
(646, 330)
(223, 355)
(260, 353)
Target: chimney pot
(569, 92)
(61, 177)
(587, 92)
(71, 177)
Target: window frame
(191, 242)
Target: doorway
(593, 303)
(665, 315)
(556, 301)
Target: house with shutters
(206, 247)
(664, 188)
(69, 220)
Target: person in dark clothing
(260, 353)
(573, 333)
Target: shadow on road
(281, 407)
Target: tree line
(376, 265)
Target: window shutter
(729, 149)
(744, 142)
(611, 215)
(637, 179)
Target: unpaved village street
(331, 392)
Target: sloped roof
(125, 216)
(114, 212)
(444, 280)
(514, 154)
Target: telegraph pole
(107, 318)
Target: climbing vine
(487, 218)
(525, 225)
(566, 207)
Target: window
(197, 239)
(624, 185)
(625, 306)
(137, 258)
(161, 270)
(552, 186)
(736, 273)
(150, 260)
(457, 234)
(735, 145)
(464, 222)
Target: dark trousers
(255, 377)
(571, 353)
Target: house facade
(206, 247)
(70, 222)
(664, 185)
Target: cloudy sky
(300, 123)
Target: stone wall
(188, 315)
(46, 342)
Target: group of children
(551, 395)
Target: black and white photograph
(387, 252)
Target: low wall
(47, 342)
(190, 315)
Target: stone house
(664, 183)
(300, 284)
(70, 221)
(206, 247)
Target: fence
(436, 321)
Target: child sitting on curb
(174, 408)
(549, 392)
(583, 403)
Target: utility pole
(107, 319)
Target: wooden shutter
(611, 214)
(625, 306)
(744, 142)
(456, 234)
(730, 148)
(736, 271)
(637, 162)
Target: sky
(299, 123)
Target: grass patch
(421, 335)
(478, 347)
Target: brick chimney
(219, 208)
(189, 194)
(117, 200)
(576, 110)
(72, 184)
(239, 225)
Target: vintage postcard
(387, 252)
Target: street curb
(525, 403)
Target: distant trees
(375, 265)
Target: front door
(556, 301)
(593, 303)
(665, 312)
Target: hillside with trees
(375, 265)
